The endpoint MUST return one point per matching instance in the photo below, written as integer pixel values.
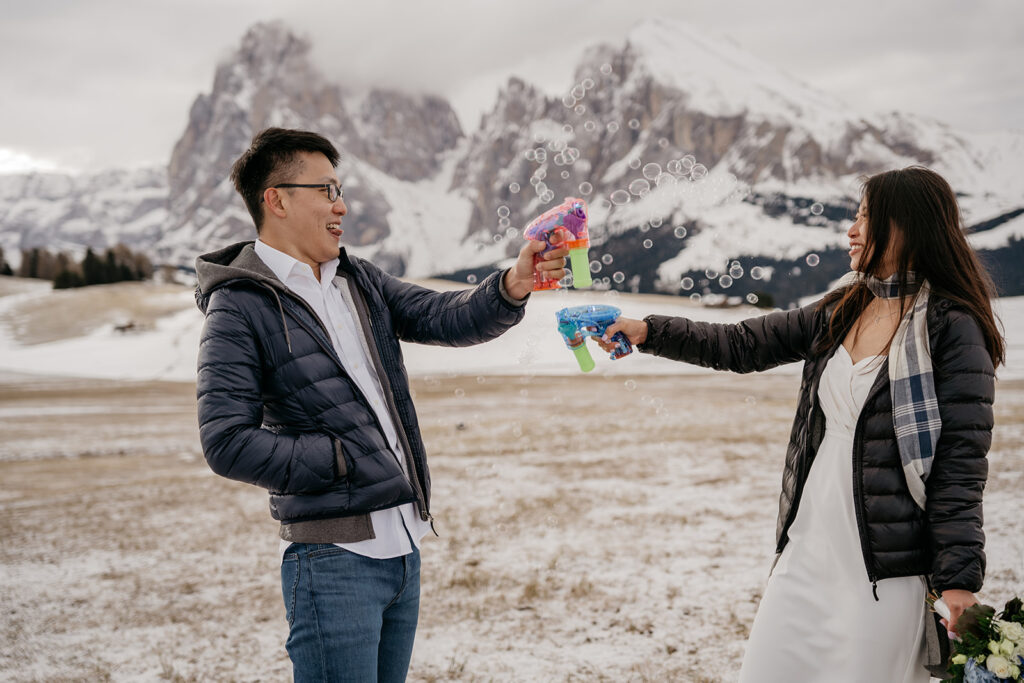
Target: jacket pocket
(340, 466)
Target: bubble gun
(576, 323)
(570, 215)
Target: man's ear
(274, 200)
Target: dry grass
(76, 312)
(590, 530)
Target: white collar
(283, 265)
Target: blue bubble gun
(576, 323)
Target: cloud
(110, 82)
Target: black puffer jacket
(276, 406)
(946, 540)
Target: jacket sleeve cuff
(509, 299)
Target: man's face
(312, 226)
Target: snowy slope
(169, 350)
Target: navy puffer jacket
(945, 541)
(276, 407)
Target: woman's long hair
(915, 211)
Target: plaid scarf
(915, 409)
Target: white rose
(1011, 630)
(999, 665)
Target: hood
(233, 262)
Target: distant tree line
(116, 264)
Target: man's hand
(635, 331)
(957, 601)
(519, 278)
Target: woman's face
(858, 234)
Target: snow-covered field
(74, 333)
(616, 526)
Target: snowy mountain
(706, 170)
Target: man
(302, 390)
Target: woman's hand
(957, 600)
(635, 331)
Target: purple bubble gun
(570, 215)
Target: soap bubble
(578, 92)
(565, 175)
(695, 298)
(630, 384)
(663, 142)
(497, 238)
(590, 126)
(674, 166)
(459, 393)
(634, 123)
(679, 232)
(710, 273)
(656, 222)
(503, 211)
(588, 83)
(606, 69)
(796, 271)
(504, 223)
(569, 101)
(547, 196)
(634, 163)
(571, 154)
(648, 244)
(586, 188)
(651, 171)
(580, 109)
(686, 283)
(735, 271)
(699, 171)
(607, 259)
(665, 179)
(817, 209)
(618, 277)
(567, 128)
(752, 298)
(512, 233)
(513, 188)
(639, 187)
(725, 282)
(757, 272)
(812, 260)
(539, 137)
(619, 197)
(530, 155)
(687, 162)
(541, 155)
(595, 266)
(613, 127)
(471, 279)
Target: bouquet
(990, 647)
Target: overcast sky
(100, 83)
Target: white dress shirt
(396, 529)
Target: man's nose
(339, 207)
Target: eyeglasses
(334, 192)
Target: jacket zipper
(420, 484)
(858, 479)
(334, 356)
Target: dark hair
(915, 211)
(272, 158)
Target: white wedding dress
(818, 620)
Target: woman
(881, 493)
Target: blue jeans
(351, 618)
